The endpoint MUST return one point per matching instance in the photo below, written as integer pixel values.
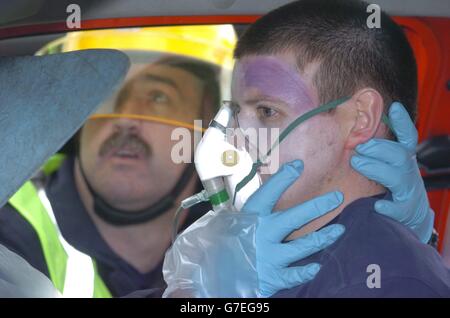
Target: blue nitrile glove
(394, 165)
(273, 256)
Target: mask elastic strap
(284, 134)
(387, 122)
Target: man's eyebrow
(162, 79)
(252, 101)
(258, 99)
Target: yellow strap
(100, 289)
(53, 164)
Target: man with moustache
(31, 100)
(114, 199)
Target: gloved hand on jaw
(273, 256)
(394, 165)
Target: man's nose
(127, 124)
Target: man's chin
(127, 199)
(122, 183)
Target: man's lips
(125, 153)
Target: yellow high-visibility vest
(72, 272)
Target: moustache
(124, 140)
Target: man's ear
(367, 110)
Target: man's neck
(353, 187)
(142, 245)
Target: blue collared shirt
(375, 251)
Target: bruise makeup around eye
(274, 79)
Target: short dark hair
(351, 55)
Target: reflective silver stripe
(79, 278)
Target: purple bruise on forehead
(273, 78)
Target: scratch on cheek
(331, 140)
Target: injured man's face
(271, 92)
